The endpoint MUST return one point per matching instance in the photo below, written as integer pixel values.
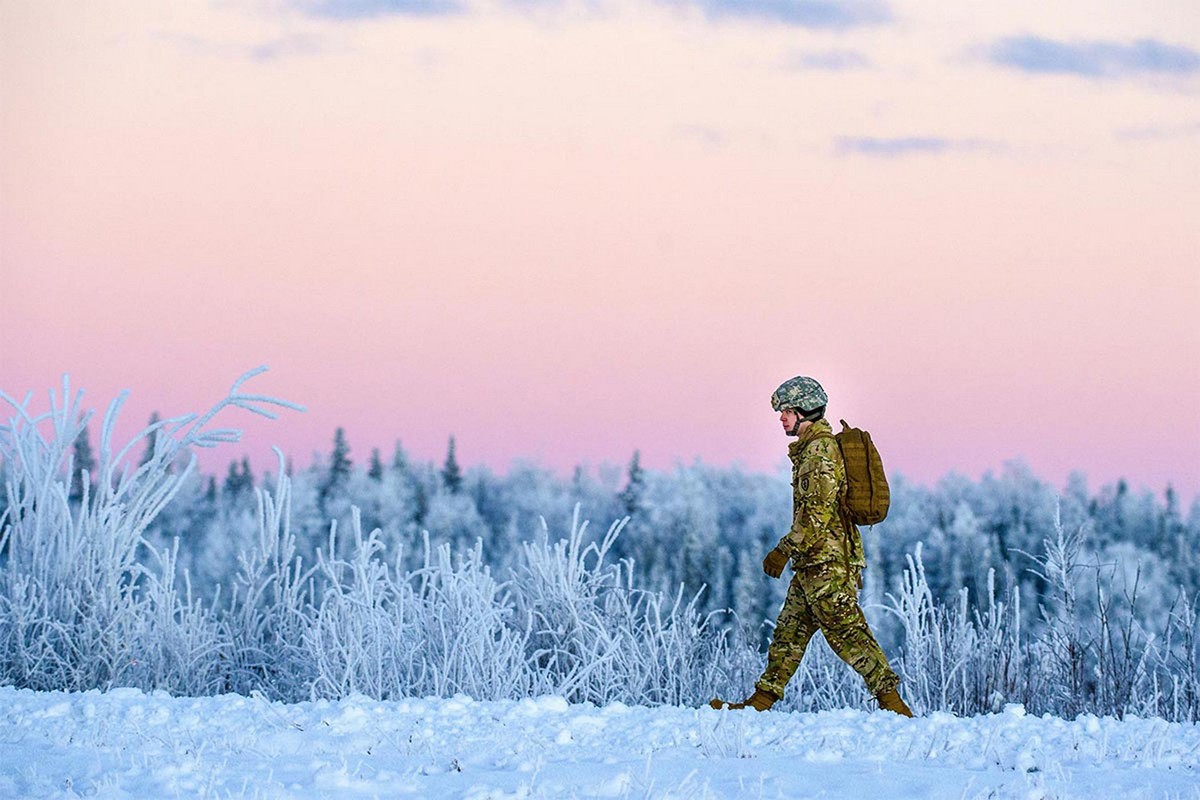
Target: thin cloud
(1156, 132)
(1093, 59)
(286, 47)
(829, 14)
(372, 9)
(820, 14)
(902, 146)
(296, 45)
(828, 60)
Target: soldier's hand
(774, 563)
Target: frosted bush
(80, 606)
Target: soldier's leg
(832, 595)
(794, 626)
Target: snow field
(125, 743)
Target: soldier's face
(788, 418)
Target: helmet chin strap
(795, 431)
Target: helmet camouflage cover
(799, 392)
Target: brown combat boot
(759, 701)
(892, 701)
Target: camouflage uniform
(823, 594)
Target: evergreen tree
(406, 482)
(451, 474)
(1175, 545)
(238, 480)
(399, 459)
(420, 503)
(84, 460)
(375, 470)
(631, 496)
(339, 467)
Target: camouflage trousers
(824, 597)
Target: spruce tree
(399, 458)
(238, 479)
(420, 502)
(339, 466)
(631, 496)
(451, 474)
(247, 475)
(232, 480)
(375, 470)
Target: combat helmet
(799, 392)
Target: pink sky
(562, 232)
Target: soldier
(825, 551)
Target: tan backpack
(867, 497)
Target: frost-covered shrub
(80, 605)
(564, 622)
(270, 608)
(606, 637)
(1092, 654)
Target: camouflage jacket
(819, 532)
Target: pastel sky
(561, 231)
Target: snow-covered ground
(125, 743)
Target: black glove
(775, 561)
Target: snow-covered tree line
(393, 578)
